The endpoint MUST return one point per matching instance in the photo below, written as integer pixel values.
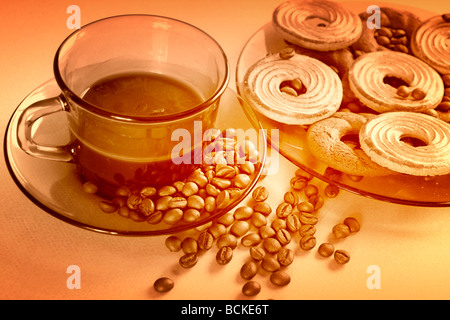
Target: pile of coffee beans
(269, 235)
(229, 165)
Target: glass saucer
(402, 189)
(57, 189)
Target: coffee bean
(188, 260)
(226, 240)
(166, 191)
(283, 236)
(133, 201)
(147, 192)
(251, 239)
(189, 245)
(241, 180)
(266, 232)
(205, 240)
(173, 216)
(257, 253)
(284, 209)
(258, 219)
(270, 264)
(298, 183)
(341, 256)
(163, 284)
(293, 223)
(262, 207)
(291, 198)
(224, 255)
(271, 245)
(285, 256)
(326, 249)
(107, 207)
(251, 288)
(341, 230)
(278, 224)
(307, 242)
(90, 187)
(173, 243)
(191, 215)
(352, 224)
(280, 278)
(223, 199)
(195, 202)
(176, 202)
(217, 230)
(308, 218)
(239, 228)
(260, 194)
(243, 213)
(249, 270)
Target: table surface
(405, 250)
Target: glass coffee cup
(177, 74)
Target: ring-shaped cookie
(318, 25)
(431, 43)
(367, 80)
(326, 141)
(263, 81)
(383, 140)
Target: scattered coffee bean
(224, 255)
(341, 256)
(205, 240)
(251, 288)
(291, 198)
(307, 229)
(298, 183)
(352, 224)
(226, 240)
(257, 253)
(262, 207)
(217, 229)
(189, 245)
(251, 239)
(249, 270)
(283, 236)
(285, 256)
(258, 219)
(341, 230)
(284, 209)
(308, 218)
(280, 278)
(271, 245)
(163, 284)
(307, 242)
(326, 249)
(188, 260)
(243, 213)
(173, 243)
(260, 194)
(270, 264)
(239, 228)
(278, 224)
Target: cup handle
(24, 130)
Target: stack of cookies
(373, 99)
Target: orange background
(409, 245)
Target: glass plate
(56, 187)
(402, 189)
